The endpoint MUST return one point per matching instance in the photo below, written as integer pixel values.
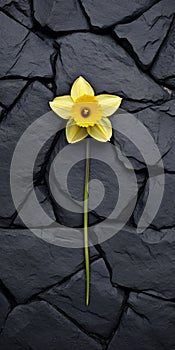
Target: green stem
(86, 247)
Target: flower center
(86, 111)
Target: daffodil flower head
(86, 113)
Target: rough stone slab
(23, 53)
(166, 214)
(103, 198)
(104, 14)
(10, 90)
(28, 265)
(106, 65)
(163, 69)
(5, 308)
(143, 263)
(32, 104)
(39, 326)
(160, 122)
(60, 15)
(20, 10)
(134, 106)
(1, 110)
(103, 313)
(43, 197)
(146, 34)
(147, 324)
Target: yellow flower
(86, 113)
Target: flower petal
(109, 103)
(75, 133)
(81, 87)
(101, 131)
(62, 106)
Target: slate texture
(23, 53)
(155, 24)
(163, 69)
(60, 16)
(31, 105)
(121, 47)
(143, 316)
(20, 10)
(91, 54)
(104, 14)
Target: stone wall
(121, 47)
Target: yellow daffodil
(86, 113)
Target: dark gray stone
(99, 317)
(23, 53)
(39, 326)
(106, 66)
(163, 69)
(10, 90)
(32, 104)
(60, 15)
(146, 34)
(166, 214)
(20, 10)
(147, 324)
(143, 262)
(5, 308)
(160, 122)
(43, 197)
(100, 170)
(104, 14)
(133, 286)
(134, 106)
(28, 265)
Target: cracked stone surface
(163, 69)
(134, 254)
(10, 90)
(44, 198)
(20, 10)
(39, 325)
(60, 15)
(29, 265)
(143, 314)
(76, 188)
(95, 319)
(104, 14)
(32, 104)
(92, 54)
(165, 216)
(159, 120)
(22, 52)
(5, 309)
(155, 24)
(120, 47)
